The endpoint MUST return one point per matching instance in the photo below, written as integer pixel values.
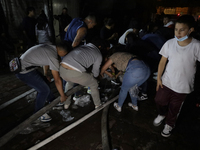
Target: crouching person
(136, 74)
(74, 65)
(42, 55)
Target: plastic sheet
(66, 116)
(34, 127)
(57, 108)
(107, 90)
(83, 101)
(31, 97)
(114, 82)
(121, 78)
(134, 91)
(107, 77)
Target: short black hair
(167, 16)
(65, 46)
(100, 42)
(104, 44)
(65, 8)
(134, 23)
(186, 19)
(30, 9)
(109, 21)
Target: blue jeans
(137, 72)
(36, 80)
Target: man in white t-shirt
(42, 55)
(176, 78)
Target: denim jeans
(36, 80)
(137, 72)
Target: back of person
(155, 39)
(108, 32)
(28, 26)
(75, 24)
(64, 19)
(35, 57)
(42, 30)
(83, 57)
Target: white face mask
(181, 39)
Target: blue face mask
(181, 39)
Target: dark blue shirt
(75, 24)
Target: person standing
(108, 32)
(42, 29)
(64, 19)
(176, 72)
(28, 26)
(77, 29)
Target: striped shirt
(83, 57)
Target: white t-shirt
(122, 38)
(181, 67)
(43, 35)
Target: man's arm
(161, 68)
(66, 28)
(46, 69)
(81, 33)
(59, 86)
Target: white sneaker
(89, 91)
(155, 77)
(166, 131)
(98, 106)
(158, 120)
(142, 97)
(133, 106)
(155, 73)
(66, 106)
(45, 118)
(60, 104)
(117, 107)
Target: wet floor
(128, 130)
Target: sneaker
(143, 97)
(98, 106)
(89, 91)
(155, 77)
(166, 131)
(60, 104)
(117, 107)
(155, 73)
(133, 106)
(66, 106)
(76, 98)
(45, 118)
(158, 120)
(114, 82)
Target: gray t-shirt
(40, 55)
(83, 57)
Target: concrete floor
(128, 130)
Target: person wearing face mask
(176, 72)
